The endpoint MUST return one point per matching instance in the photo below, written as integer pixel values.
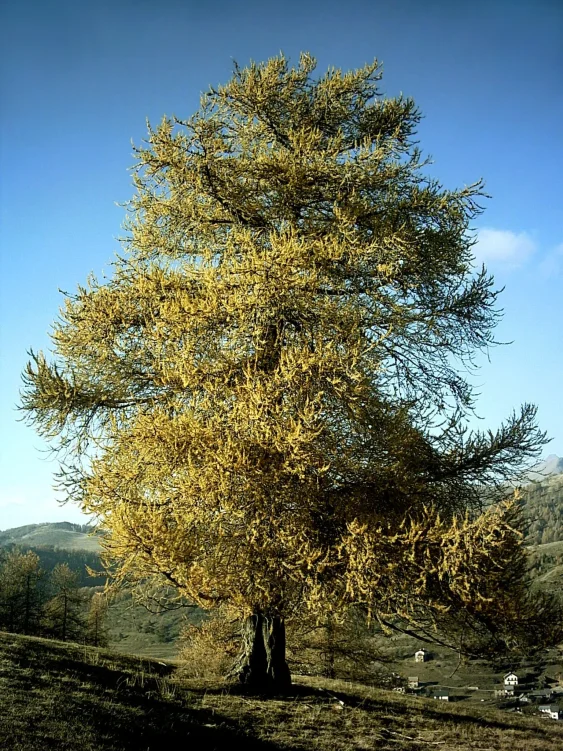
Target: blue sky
(79, 79)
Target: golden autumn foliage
(264, 405)
(208, 649)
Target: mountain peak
(552, 465)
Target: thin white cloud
(12, 501)
(499, 247)
(552, 264)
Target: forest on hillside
(543, 510)
(78, 561)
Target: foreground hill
(72, 698)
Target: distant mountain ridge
(544, 496)
(542, 500)
(553, 465)
(64, 535)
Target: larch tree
(21, 593)
(96, 629)
(63, 612)
(265, 405)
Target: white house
(511, 679)
(551, 710)
(420, 656)
(441, 694)
(555, 713)
(413, 681)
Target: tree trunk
(330, 652)
(261, 663)
(27, 604)
(65, 618)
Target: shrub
(208, 649)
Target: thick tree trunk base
(261, 664)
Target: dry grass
(326, 715)
(70, 698)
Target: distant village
(517, 693)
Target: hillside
(132, 628)
(70, 698)
(547, 565)
(543, 505)
(135, 630)
(543, 508)
(64, 535)
(469, 680)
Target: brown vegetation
(57, 697)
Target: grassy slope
(34, 535)
(548, 560)
(134, 630)
(56, 696)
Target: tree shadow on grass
(53, 702)
(160, 726)
(130, 720)
(88, 725)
